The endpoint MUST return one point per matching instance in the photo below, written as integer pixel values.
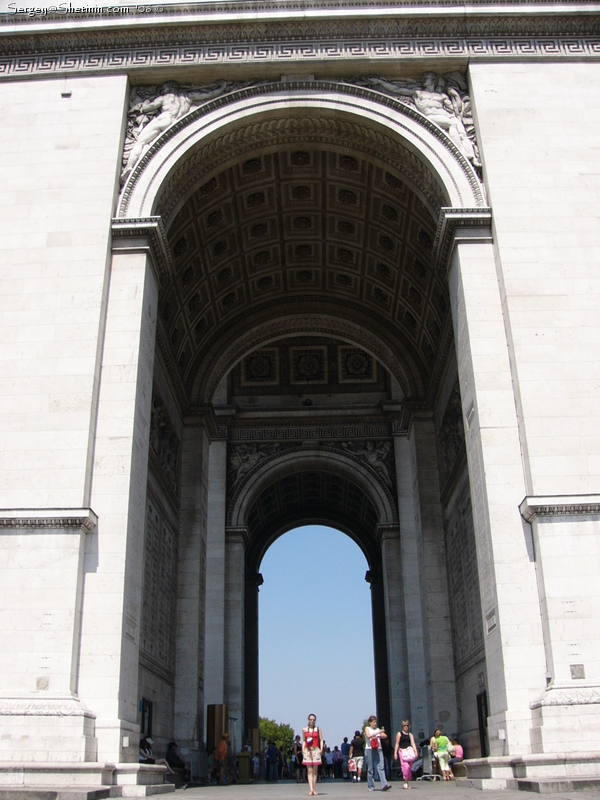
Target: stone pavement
(337, 790)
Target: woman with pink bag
(405, 751)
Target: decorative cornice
(144, 235)
(76, 519)
(456, 13)
(42, 705)
(289, 32)
(477, 656)
(568, 505)
(458, 225)
(569, 696)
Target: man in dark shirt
(272, 755)
(345, 748)
(357, 752)
(175, 761)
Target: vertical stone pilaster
(251, 673)
(214, 649)
(382, 683)
(395, 618)
(434, 584)
(413, 598)
(510, 605)
(109, 664)
(189, 677)
(235, 585)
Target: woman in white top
(374, 756)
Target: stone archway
(305, 328)
(318, 486)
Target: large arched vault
(301, 235)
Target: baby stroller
(428, 774)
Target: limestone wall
(59, 162)
(538, 128)
(538, 125)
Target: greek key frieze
(119, 60)
(328, 431)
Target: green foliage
(279, 732)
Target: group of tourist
(309, 758)
(366, 750)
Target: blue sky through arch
(315, 632)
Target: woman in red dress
(312, 749)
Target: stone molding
(468, 662)
(568, 696)
(421, 17)
(404, 417)
(115, 45)
(568, 505)
(144, 236)
(75, 519)
(42, 706)
(205, 416)
(457, 226)
(156, 668)
(386, 532)
(237, 535)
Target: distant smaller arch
(318, 459)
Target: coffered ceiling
(306, 228)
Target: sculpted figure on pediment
(154, 109)
(443, 100)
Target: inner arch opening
(315, 619)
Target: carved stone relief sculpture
(443, 100)
(164, 442)
(452, 433)
(244, 457)
(153, 109)
(377, 455)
